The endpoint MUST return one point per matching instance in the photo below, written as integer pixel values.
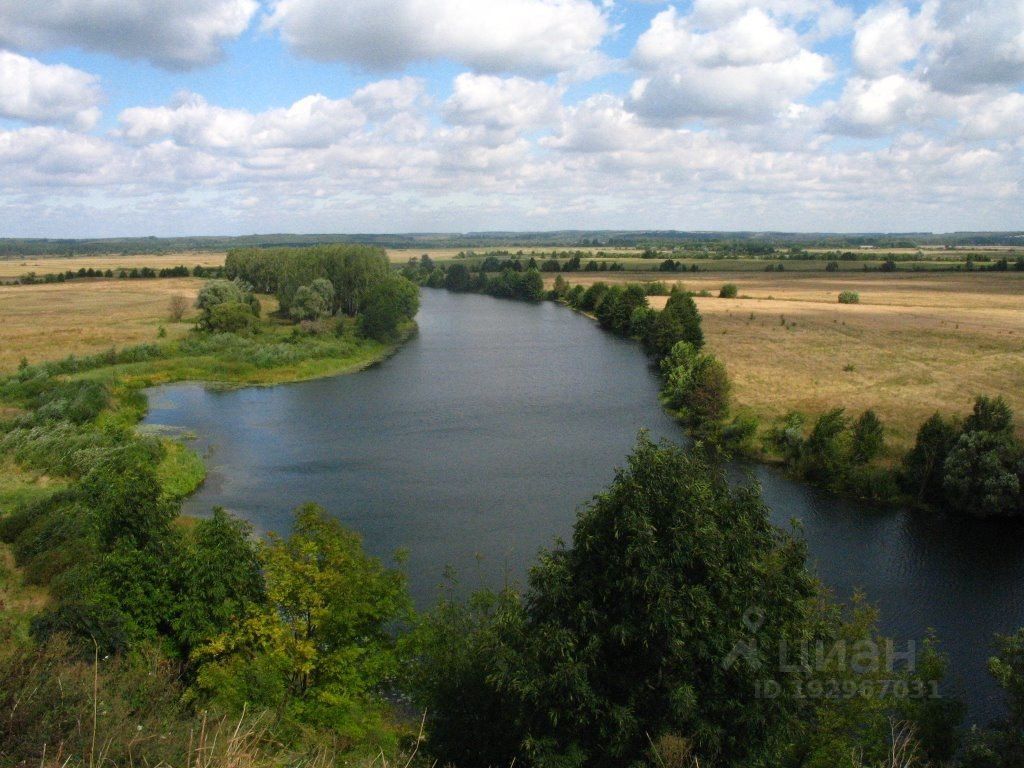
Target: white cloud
(44, 93)
(750, 68)
(177, 34)
(499, 104)
(994, 117)
(875, 107)
(979, 43)
(888, 36)
(530, 37)
(314, 121)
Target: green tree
(308, 304)
(319, 646)
(825, 458)
(990, 414)
(678, 321)
(216, 576)
(386, 306)
(924, 466)
(641, 629)
(728, 291)
(868, 437)
(457, 278)
(982, 475)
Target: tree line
(135, 273)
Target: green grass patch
(181, 471)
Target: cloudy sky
(163, 117)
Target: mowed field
(83, 317)
(916, 344)
(18, 266)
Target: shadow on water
(475, 444)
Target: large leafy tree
(663, 618)
(387, 305)
(678, 321)
(319, 645)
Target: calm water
(474, 446)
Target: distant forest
(13, 247)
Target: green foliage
(231, 317)
(352, 270)
(849, 297)
(592, 296)
(310, 304)
(615, 310)
(126, 497)
(924, 465)
(695, 384)
(868, 438)
(227, 306)
(448, 664)
(630, 634)
(728, 291)
(386, 305)
(976, 468)
(982, 475)
(319, 645)
(216, 577)
(457, 278)
(678, 321)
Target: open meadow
(915, 344)
(83, 317)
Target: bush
(728, 291)
(849, 297)
(231, 317)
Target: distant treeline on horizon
(13, 247)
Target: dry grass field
(48, 322)
(16, 267)
(916, 343)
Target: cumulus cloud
(314, 121)
(751, 68)
(875, 107)
(888, 36)
(723, 126)
(979, 43)
(499, 104)
(177, 34)
(43, 93)
(531, 37)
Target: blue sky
(229, 116)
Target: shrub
(231, 317)
(178, 307)
(849, 297)
(728, 291)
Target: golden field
(18, 266)
(917, 342)
(82, 317)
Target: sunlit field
(19, 266)
(82, 317)
(915, 344)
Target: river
(474, 446)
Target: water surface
(474, 446)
